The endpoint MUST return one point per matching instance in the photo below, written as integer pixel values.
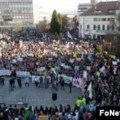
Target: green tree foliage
(65, 23)
(56, 22)
(118, 20)
(117, 45)
(114, 38)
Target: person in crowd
(41, 81)
(70, 86)
(27, 82)
(80, 58)
(78, 102)
(62, 84)
(2, 81)
(36, 82)
(19, 82)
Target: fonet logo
(108, 112)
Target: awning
(103, 32)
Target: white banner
(5, 72)
(66, 79)
(35, 78)
(23, 74)
(40, 69)
(18, 73)
(77, 82)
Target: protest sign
(5, 72)
(40, 69)
(66, 79)
(22, 74)
(77, 82)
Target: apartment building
(99, 20)
(16, 12)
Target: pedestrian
(70, 86)
(2, 81)
(41, 81)
(19, 82)
(27, 82)
(36, 82)
(62, 84)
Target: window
(98, 27)
(1, 23)
(103, 27)
(112, 19)
(88, 26)
(103, 19)
(97, 11)
(96, 19)
(108, 19)
(94, 27)
(108, 27)
(111, 11)
(80, 27)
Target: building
(99, 20)
(83, 7)
(16, 13)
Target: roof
(103, 8)
(84, 4)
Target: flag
(69, 35)
(90, 90)
(53, 70)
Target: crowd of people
(48, 113)
(61, 62)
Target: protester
(95, 72)
(70, 86)
(19, 82)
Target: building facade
(15, 13)
(83, 8)
(99, 20)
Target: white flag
(90, 90)
(69, 35)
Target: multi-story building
(83, 7)
(99, 20)
(16, 12)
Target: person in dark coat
(62, 83)
(70, 86)
(19, 83)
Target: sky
(59, 5)
(47, 6)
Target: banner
(18, 73)
(65, 66)
(66, 79)
(35, 78)
(77, 82)
(40, 69)
(23, 74)
(5, 72)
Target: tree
(114, 37)
(65, 23)
(55, 25)
(118, 22)
(42, 26)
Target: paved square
(37, 96)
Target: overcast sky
(60, 5)
(47, 6)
